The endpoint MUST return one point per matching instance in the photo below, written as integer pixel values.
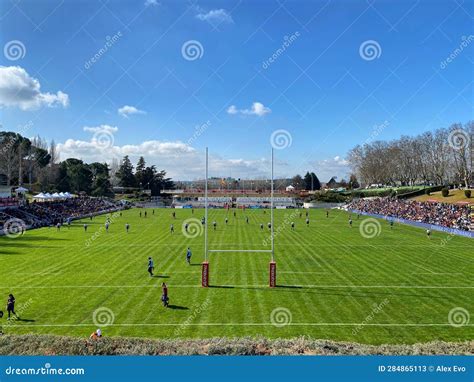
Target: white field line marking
(58, 273)
(242, 286)
(303, 272)
(435, 274)
(296, 244)
(425, 269)
(240, 324)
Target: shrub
(467, 193)
(445, 192)
(427, 191)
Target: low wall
(321, 205)
(451, 231)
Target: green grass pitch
(333, 283)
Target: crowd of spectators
(40, 214)
(436, 213)
(5, 202)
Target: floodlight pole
(271, 214)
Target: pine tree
(311, 182)
(140, 172)
(125, 173)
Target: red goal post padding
(273, 274)
(205, 274)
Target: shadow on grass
(289, 286)
(177, 307)
(10, 253)
(27, 238)
(26, 320)
(19, 319)
(222, 286)
(161, 276)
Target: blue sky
(147, 94)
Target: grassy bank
(58, 345)
(454, 196)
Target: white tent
(21, 189)
(40, 196)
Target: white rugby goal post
(207, 251)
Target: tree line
(144, 177)
(440, 157)
(24, 160)
(35, 163)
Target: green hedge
(419, 192)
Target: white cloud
(180, 160)
(19, 89)
(96, 129)
(151, 2)
(127, 110)
(257, 108)
(327, 168)
(232, 110)
(214, 16)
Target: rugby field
(367, 283)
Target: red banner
(205, 274)
(273, 274)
